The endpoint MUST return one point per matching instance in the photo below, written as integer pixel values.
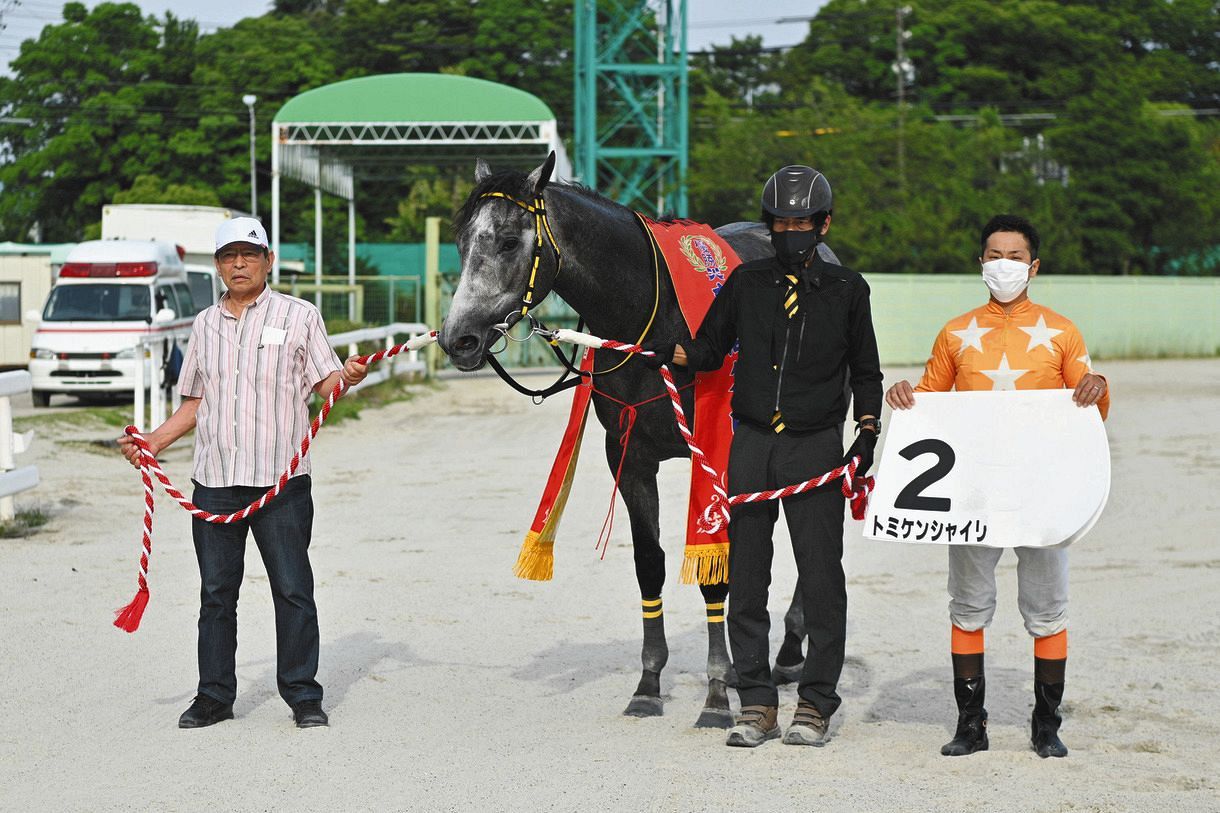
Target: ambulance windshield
(102, 302)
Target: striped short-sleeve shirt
(254, 375)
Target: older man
(1009, 343)
(253, 362)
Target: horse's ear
(482, 171)
(539, 178)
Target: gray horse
(607, 275)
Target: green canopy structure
(367, 128)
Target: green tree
(1143, 184)
(525, 45)
(433, 195)
(281, 56)
(151, 189)
(100, 90)
(743, 70)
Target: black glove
(866, 441)
(664, 354)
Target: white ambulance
(108, 295)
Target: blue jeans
(282, 532)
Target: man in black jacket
(801, 325)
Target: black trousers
(762, 460)
(282, 531)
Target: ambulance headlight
(42, 353)
(129, 353)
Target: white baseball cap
(241, 230)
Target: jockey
(1010, 343)
(800, 323)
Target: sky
(710, 21)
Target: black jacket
(794, 365)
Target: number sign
(1000, 469)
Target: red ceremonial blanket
(699, 263)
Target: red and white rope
(128, 618)
(716, 515)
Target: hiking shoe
(205, 711)
(309, 714)
(808, 726)
(755, 725)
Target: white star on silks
(1004, 377)
(972, 336)
(1086, 361)
(1040, 334)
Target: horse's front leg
(639, 489)
(716, 712)
(791, 660)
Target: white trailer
(27, 272)
(192, 227)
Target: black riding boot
(1044, 727)
(971, 734)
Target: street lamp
(248, 100)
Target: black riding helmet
(796, 191)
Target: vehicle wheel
(41, 398)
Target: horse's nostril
(466, 343)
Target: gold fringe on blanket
(706, 564)
(536, 561)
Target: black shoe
(971, 734)
(205, 711)
(309, 714)
(1045, 722)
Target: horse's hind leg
(790, 660)
(716, 712)
(639, 489)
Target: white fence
(13, 480)
(161, 404)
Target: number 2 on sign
(912, 497)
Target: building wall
(1120, 317)
(32, 273)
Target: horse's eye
(509, 244)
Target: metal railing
(409, 361)
(13, 480)
(162, 401)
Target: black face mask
(792, 248)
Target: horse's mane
(515, 183)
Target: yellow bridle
(541, 224)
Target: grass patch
(378, 395)
(23, 524)
(90, 416)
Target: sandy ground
(453, 686)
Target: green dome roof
(411, 97)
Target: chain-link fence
(370, 301)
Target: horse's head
(496, 241)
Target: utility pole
(902, 69)
(248, 100)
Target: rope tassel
(128, 618)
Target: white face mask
(1006, 279)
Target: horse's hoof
(715, 718)
(643, 705)
(786, 674)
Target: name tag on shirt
(273, 335)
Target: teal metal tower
(632, 125)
